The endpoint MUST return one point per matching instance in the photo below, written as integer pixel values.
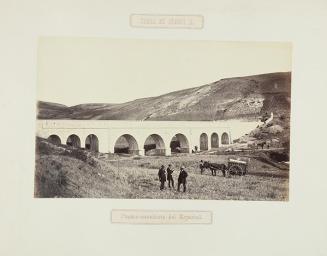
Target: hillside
(50, 110)
(232, 98)
(64, 171)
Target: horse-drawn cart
(237, 167)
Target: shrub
(279, 156)
(62, 178)
(271, 195)
(82, 155)
(76, 153)
(42, 148)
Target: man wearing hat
(182, 179)
(162, 177)
(202, 166)
(170, 179)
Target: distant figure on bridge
(170, 179)
(162, 177)
(182, 179)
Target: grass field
(62, 171)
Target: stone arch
(126, 144)
(179, 144)
(74, 141)
(203, 141)
(154, 145)
(92, 143)
(55, 139)
(225, 138)
(214, 140)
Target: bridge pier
(141, 152)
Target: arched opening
(74, 141)
(55, 139)
(154, 146)
(126, 144)
(214, 140)
(203, 141)
(179, 144)
(92, 143)
(224, 138)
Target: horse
(213, 167)
(261, 144)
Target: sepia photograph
(163, 127)
(162, 119)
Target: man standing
(202, 166)
(182, 179)
(170, 171)
(162, 177)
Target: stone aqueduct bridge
(136, 137)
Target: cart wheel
(235, 169)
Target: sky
(73, 70)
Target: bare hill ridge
(240, 97)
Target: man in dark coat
(182, 179)
(162, 177)
(170, 179)
(202, 166)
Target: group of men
(167, 175)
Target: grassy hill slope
(63, 171)
(240, 97)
